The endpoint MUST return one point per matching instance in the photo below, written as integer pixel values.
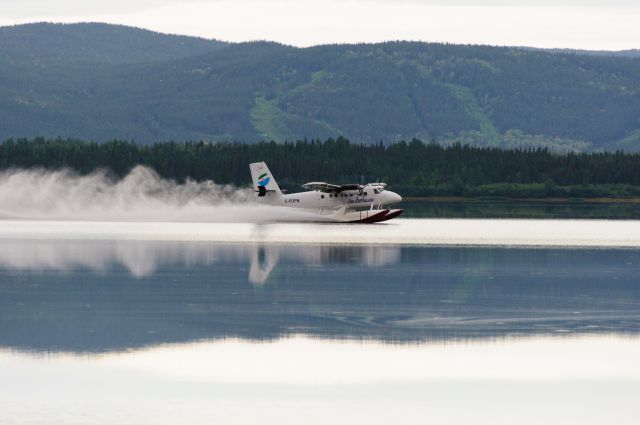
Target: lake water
(414, 321)
(505, 208)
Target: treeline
(411, 168)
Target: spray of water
(141, 195)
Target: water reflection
(142, 258)
(588, 380)
(92, 296)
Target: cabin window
(375, 191)
(322, 196)
(365, 194)
(351, 195)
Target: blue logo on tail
(264, 179)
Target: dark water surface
(171, 332)
(537, 209)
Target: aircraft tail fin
(263, 180)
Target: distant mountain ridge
(101, 82)
(97, 43)
(629, 53)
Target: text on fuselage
(359, 200)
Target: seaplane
(348, 203)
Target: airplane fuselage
(351, 199)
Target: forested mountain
(631, 53)
(43, 44)
(103, 82)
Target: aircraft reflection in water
(265, 257)
(142, 259)
(92, 296)
(351, 203)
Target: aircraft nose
(393, 198)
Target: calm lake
(443, 321)
(505, 208)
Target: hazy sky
(587, 24)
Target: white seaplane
(350, 203)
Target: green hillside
(101, 82)
(45, 44)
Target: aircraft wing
(322, 186)
(328, 187)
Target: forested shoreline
(412, 168)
